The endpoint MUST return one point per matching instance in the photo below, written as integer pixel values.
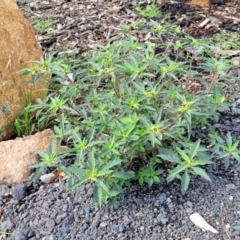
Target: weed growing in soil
(149, 11)
(44, 25)
(227, 40)
(131, 110)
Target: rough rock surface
(203, 3)
(16, 156)
(18, 49)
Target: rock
(16, 156)
(4, 189)
(20, 234)
(162, 218)
(47, 178)
(202, 3)
(7, 225)
(19, 191)
(230, 186)
(103, 224)
(18, 49)
(163, 197)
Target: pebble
(103, 224)
(20, 234)
(163, 197)
(3, 189)
(7, 225)
(19, 191)
(162, 218)
(236, 227)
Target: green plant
(188, 161)
(227, 40)
(129, 115)
(44, 25)
(228, 150)
(150, 11)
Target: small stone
(162, 218)
(231, 198)
(121, 228)
(168, 200)
(3, 189)
(118, 228)
(189, 204)
(7, 225)
(189, 210)
(236, 227)
(19, 191)
(103, 224)
(230, 186)
(20, 234)
(163, 197)
(87, 212)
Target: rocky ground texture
(52, 212)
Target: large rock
(18, 49)
(18, 155)
(203, 3)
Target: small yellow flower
(151, 94)
(155, 129)
(185, 107)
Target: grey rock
(103, 224)
(4, 189)
(7, 225)
(120, 228)
(20, 234)
(87, 212)
(19, 191)
(236, 227)
(162, 218)
(163, 197)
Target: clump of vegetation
(227, 40)
(44, 25)
(131, 110)
(149, 11)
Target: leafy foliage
(131, 110)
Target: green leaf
(102, 185)
(37, 173)
(72, 170)
(194, 149)
(104, 172)
(97, 195)
(91, 161)
(201, 172)
(234, 146)
(140, 180)
(123, 175)
(175, 172)
(236, 155)
(169, 155)
(201, 162)
(185, 180)
(80, 181)
(183, 154)
(110, 164)
(156, 179)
